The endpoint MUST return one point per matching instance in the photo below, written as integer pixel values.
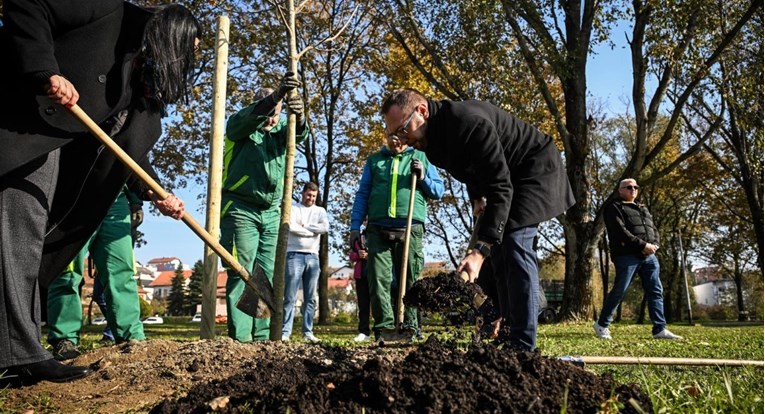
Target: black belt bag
(393, 235)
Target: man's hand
(136, 215)
(363, 254)
(290, 81)
(171, 206)
(61, 91)
(471, 265)
(355, 236)
(650, 249)
(295, 105)
(418, 169)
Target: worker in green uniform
(111, 248)
(253, 173)
(383, 197)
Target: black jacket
(630, 226)
(93, 44)
(514, 165)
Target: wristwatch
(482, 248)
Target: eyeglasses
(632, 187)
(401, 132)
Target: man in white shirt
(307, 223)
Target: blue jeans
(648, 269)
(300, 267)
(515, 262)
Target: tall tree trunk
(324, 280)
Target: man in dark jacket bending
(514, 166)
(633, 241)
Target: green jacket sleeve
(250, 119)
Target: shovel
(405, 258)
(259, 302)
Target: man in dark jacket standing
(514, 166)
(633, 241)
(122, 65)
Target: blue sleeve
(361, 202)
(432, 186)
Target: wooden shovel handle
(105, 139)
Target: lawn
(672, 388)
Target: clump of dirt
(433, 377)
(449, 295)
(445, 292)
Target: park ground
(173, 363)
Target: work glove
(355, 235)
(290, 81)
(136, 215)
(295, 105)
(418, 169)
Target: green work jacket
(254, 159)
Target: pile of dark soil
(434, 377)
(449, 295)
(445, 292)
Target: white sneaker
(601, 332)
(310, 337)
(361, 338)
(285, 337)
(666, 334)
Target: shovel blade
(257, 299)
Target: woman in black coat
(514, 176)
(122, 65)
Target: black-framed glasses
(401, 132)
(632, 187)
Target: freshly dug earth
(180, 377)
(445, 292)
(433, 377)
(449, 295)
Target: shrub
(343, 318)
(721, 313)
(146, 308)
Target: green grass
(672, 388)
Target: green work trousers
(111, 248)
(250, 235)
(383, 264)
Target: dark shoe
(64, 350)
(48, 370)
(106, 340)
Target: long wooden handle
(405, 258)
(659, 361)
(105, 139)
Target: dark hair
(405, 99)
(169, 52)
(310, 186)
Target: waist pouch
(393, 234)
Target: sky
(609, 78)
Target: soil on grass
(186, 377)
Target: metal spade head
(257, 299)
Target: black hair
(169, 52)
(405, 98)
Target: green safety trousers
(111, 248)
(383, 263)
(250, 235)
